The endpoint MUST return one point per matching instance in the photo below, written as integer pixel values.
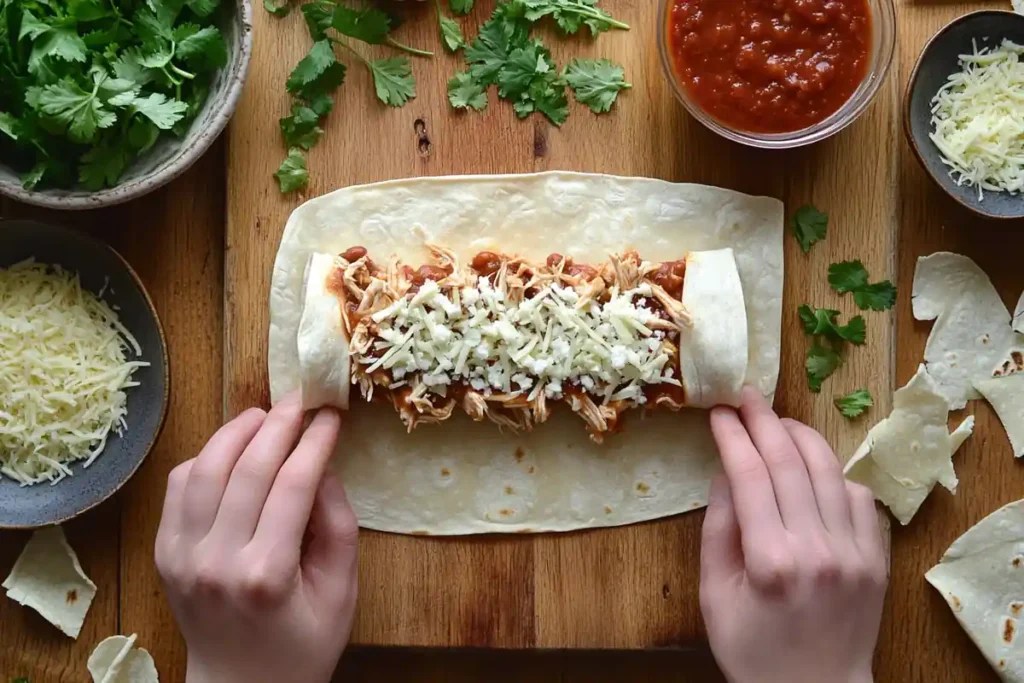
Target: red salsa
(770, 66)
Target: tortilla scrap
(1006, 396)
(1018, 314)
(907, 453)
(972, 338)
(117, 660)
(48, 578)
(981, 576)
(1018, 6)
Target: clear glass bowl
(883, 44)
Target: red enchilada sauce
(770, 66)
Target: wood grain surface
(551, 591)
(174, 238)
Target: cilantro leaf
(142, 134)
(320, 102)
(31, 27)
(164, 113)
(451, 34)
(102, 166)
(465, 93)
(489, 52)
(71, 106)
(847, 276)
(318, 16)
(8, 125)
(57, 43)
(292, 174)
(821, 362)
(317, 73)
(461, 6)
(367, 24)
(880, 296)
(277, 10)
(854, 403)
(203, 8)
(204, 50)
(809, 226)
(301, 128)
(393, 80)
(128, 66)
(522, 66)
(822, 322)
(151, 28)
(571, 15)
(596, 82)
(32, 178)
(548, 95)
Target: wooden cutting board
(633, 587)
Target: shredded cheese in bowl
(978, 120)
(63, 373)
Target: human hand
(257, 550)
(793, 574)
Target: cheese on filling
(63, 373)
(541, 344)
(978, 120)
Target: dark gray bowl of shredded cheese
(106, 275)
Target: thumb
(721, 556)
(331, 554)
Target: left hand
(257, 549)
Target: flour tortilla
(1006, 396)
(463, 477)
(981, 576)
(1018, 315)
(117, 660)
(48, 578)
(907, 453)
(972, 338)
(712, 356)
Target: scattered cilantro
(821, 322)
(596, 82)
(87, 86)
(292, 175)
(821, 362)
(809, 226)
(19, 680)
(367, 23)
(277, 10)
(855, 403)
(392, 77)
(570, 15)
(852, 276)
(451, 34)
(461, 6)
(301, 128)
(466, 93)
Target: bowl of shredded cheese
(963, 113)
(83, 373)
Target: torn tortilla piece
(972, 338)
(981, 577)
(48, 578)
(117, 660)
(1006, 396)
(906, 454)
(1018, 315)
(1018, 6)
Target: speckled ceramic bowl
(171, 156)
(938, 60)
(26, 507)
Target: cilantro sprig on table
(855, 403)
(88, 86)
(852, 276)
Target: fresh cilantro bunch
(318, 75)
(86, 86)
(504, 54)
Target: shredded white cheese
(63, 373)
(538, 345)
(978, 120)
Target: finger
(255, 472)
(286, 513)
(171, 521)
(788, 473)
(865, 524)
(721, 557)
(330, 560)
(749, 482)
(826, 478)
(211, 469)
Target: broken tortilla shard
(972, 338)
(907, 453)
(117, 660)
(1018, 314)
(1006, 396)
(48, 578)
(1018, 6)
(981, 576)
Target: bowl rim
(795, 139)
(908, 96)
(165, 399)
(186, 157)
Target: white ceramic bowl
(171, 156)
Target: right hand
(257, 549)
(793, 572)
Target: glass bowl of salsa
(776, 73)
